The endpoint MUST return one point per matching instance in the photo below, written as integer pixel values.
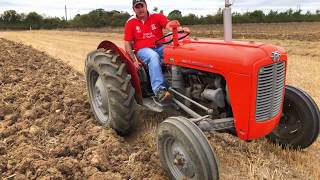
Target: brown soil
(47, 131)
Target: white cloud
(199, 7)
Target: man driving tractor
(140, 34)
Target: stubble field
(47, 129)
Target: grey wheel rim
(178, 160)
(99, 97)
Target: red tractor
(222, 86)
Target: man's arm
(129, 49)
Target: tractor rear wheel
(184, 150)
(110, 92)
(299, 124)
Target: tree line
(256, 16)
(100, 18)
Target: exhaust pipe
(227, 21)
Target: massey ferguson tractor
(221, 86)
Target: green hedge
(100, 18)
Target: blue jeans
(152, 57)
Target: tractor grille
(270, 91)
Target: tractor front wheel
(110, 92)
(299, 124)
(184, 150)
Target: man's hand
(137, 64)
(128, 47)
(186, 29)
(175, 22)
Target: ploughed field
(47, 129)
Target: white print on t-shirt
(153, 27)
(138, 29)
(148, 35)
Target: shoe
(163, 95)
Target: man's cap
(135, 2)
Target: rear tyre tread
(109, 75)
(121, 69)
(126, 83)
(117, 83)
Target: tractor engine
(206, 88)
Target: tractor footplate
(216, 124)
(153, 105)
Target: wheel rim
(290, 124)
(99, 97)
(178, 160)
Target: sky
(55, 8)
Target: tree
(289, 12)
(220, 12)
(190, 19)
(119, 19)
(297, 12)
(11, 17)
(257, 16)
(96, 18)
(219, 16)
(52, 23)
(175, 15)
(155, 9)
(100, 18)
(34, 20)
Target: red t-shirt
(144, 34)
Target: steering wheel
(170, 34)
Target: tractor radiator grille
(270, 91)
